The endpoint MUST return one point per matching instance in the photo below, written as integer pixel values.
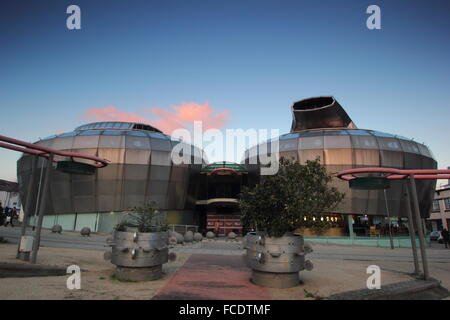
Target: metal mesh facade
(140, 171)
(340, 149)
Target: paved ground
(208, 270)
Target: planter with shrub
(140, 246)
(297, 196)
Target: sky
(232, 64)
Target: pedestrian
(9, 217)
(445, 237)
(2, 216)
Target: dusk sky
(232, 64)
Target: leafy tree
(290, 199)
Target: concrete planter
(139, 256)
(276, 261)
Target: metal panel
(132, 142)
(310, 155)
(137, 157)
(133, 193)
(409, 146)
(389, 144)
(135, 172)
(334, 142)
(159, 201)
(366, 157)
(161, 144)
(178, 173)
(285, 145)
(109, 142)
(391, 159)
(412, 161)
(359, 201)
(424, 150)
(338, 156)
(364, 142)
(161, 158)
(45, 143)
(311, 142)
(83, 204)
(160, 173)
(60, 187)
(107, 203)
(111, 172)
(158, 187)
(92, 152)
(85, 142)
(291, 155)
(113, 155)
(372, 202)
(63, 143)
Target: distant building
(440, 212)
(9, 194)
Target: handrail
(41, 151)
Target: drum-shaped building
(140, 171)
(322, 129)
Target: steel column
(423, 253)
(389, 219)
(43, 204)
(351, 234)
(412, 232)
(30, 197)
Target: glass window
(289, 136)
(382, 134)
(50, 137)
(68, 134)
(409, 146)
(447, 203)
(337, 142)
(424, 150)
(334, 132)
(117, 125)
(157, 135)
(285, 145)
(436, 206)
(357, 132)
(314, 133)
(364, 142)
(90, 133)
(125, 125)
(136, 134)
(389, 144)
(311, 143)
(112, 133)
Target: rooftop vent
(319, 112)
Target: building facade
(141, 171)
(440, 213)
(322, 129)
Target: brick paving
(208, 276)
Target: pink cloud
(181, 116)
(111, 113)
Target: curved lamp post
(69, 166)
(388, 174)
